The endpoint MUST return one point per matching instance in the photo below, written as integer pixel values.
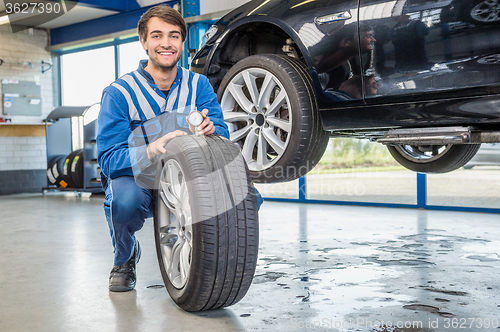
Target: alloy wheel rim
(175, 225)
(486, 11)
(423, 154)
(257, 110)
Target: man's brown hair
(165, 13)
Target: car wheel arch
(224, 56)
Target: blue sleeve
(114, 131)
(206, 98)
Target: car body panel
(455, 81)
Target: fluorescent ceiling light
(4, 20)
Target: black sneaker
(122, 278)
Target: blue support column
(117, 61)
(421, 190)
(190, 8)
(302, 189)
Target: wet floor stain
(267, 277)
(155, 286)
(403, 262)
(445, 291)
(441, 300)
(489, 258)
(374, 276)
(428, 308)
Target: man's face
(367, 41)
(371, 86)
(163, 43)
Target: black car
(422, 77)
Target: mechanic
(158, 88)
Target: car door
(328, 30)
(424, 47)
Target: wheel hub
(260, 119)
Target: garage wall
(23, 158)
(19, 48)
(212, 6)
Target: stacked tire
(66, 171)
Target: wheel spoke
(251, 86)
(282, 124)
(237, 93)
(168, 229)
(277, 103)
(176, 254)
(265, 91)
(261, 151)
(170, 188)
(184, 260)
(165, 195)
(184, 196)
(249, 145)
(236, 116)
(167, 239)
(235, 136)
(274, 141)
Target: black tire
(221, 241)
(67, 169)
(447, 159)
(481, 12)
(299, 149)
(54, 171)
(76, 169)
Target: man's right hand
(158, 147)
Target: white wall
(212, 6)
(21, 47)
(23, 153)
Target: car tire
(67, 169)
(205, 222)
(482, 12)
(76, 169)
(433, 158)
(269, 105)
(55, 171)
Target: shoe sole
(120, 288)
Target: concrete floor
(338, 268)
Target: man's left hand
(206, 127)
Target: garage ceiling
(84, 10)
(86, 21)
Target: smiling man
(158, 89)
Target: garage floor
(321, 267)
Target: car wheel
(205, 222)
(483, 12)
(269, 105)
(433, 158)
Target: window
(130, 55)
(85, 74)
